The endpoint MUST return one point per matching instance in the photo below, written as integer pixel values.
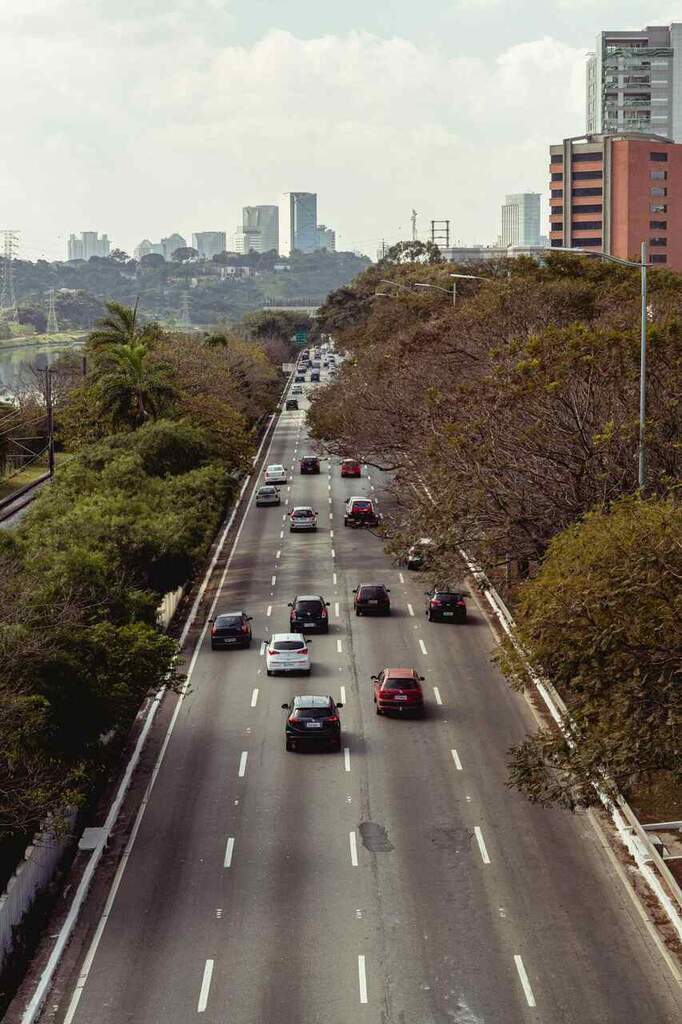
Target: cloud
(138, 137)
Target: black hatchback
(308, 612)
(312, 721)
(446, 604)
(231, 629)
(372, 599)
(310, 464)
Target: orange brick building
(613, 192)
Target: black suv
(231, 629)
(291, 403)
(312, 720)
(310, 464)
(446, 604)
(309, 611)
(372, 598)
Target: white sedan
(287, 652)
(275, 474)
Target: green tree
(413, 252)
(133, 387)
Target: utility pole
(440, 233)
(414, 225)
(8, 299)
(641, 460)
(52, 325)
(50, 420)
(184, 312)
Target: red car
(351, 467)
(398, 691)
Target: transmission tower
(440, 233)
(184, 312)
(414, 225)
(8, 299)
(52, 325)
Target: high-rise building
(634, 82)
(613, 192)
(521, 219)
(297, 222)
(209, 243)
(326, 238)
(89, 244)
(170, 244)
(259, 230)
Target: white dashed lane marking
(422, 646)
(455, 758)
(527, 990)
(205, 987)
(229, 850)
(481, 844)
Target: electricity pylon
(52, 325)
(184, 312)
(8, 299)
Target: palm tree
(134, 389)
(121, 327)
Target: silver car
(302, 517)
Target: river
(16, 361)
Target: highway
(398, 882)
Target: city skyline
(150, 160)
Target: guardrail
(630, 830)
(5, 503)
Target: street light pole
(641, 475)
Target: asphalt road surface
(397, 882)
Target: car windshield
(308, 606)
(289, 645)
(224, 621)
(393, 683)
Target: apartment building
(209, 243)
(89, 244)
(612, 192)
(521, 219)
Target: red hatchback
(351, 467)
(398, 691)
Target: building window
(658, 242)
(583, 175)
(659, 191)
(588, 208)
(658, 225)
(589, 241)
(661, 157)
(557, 193)
(658, 257)
(557, 158)
(658, 208)
(583, 158)
(587, 191)
(556, 225)
(559, 241)
(556, 210)
(658, 175)
(587, 225)
(557, 176)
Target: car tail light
(272, 653)
(291, 720)
(245, 628)
(460, 604)
(212, 630)
(332, 720)
(324, 613)
(302, 650)
(435, 603)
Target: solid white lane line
(229, 850)
(205, 987)
(339, 646)
(455, 758)
(254, 697)
(528, 991)
(436, 694)
(423, 646)
(274, 580)
(269, 611)
(353, 849)
(336, 610)
(401, 577)
(410, 609)
(242, 764)
(481, 845)
(346, 758)
(278, 555)
(262, 648)
(362, 979)
(334, 578)
(343, 694)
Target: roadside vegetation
(157, 435)
(510, 423)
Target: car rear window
(448, 595)
(224, 621)
(308, 606)
(289, 645)
(312, 712)
(302, 513)
(372, 592)
(393, 683)
(362, 506)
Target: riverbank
(40, 340)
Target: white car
(275, 474)
(287, 652)
(302, 517)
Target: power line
(8, 299)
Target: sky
(142, 117)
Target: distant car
(302, 517)
(309, 611)
(372, 599)
(312, 720)
(267, 495)
(291, 404)
(315, 377)
(398, 691)
(230, 629)
(299, 378)
(310, 464)
(351, 467)
(275, 474)
(297, 389)
(360, 512)
(446, 604)
(418, 554)
(287, 652)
